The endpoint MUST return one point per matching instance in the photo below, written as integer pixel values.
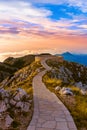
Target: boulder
(19, 104)
(12, 102)
(24, 106)
(66, 91)
(4, 93)
(30, 101)
(6, 100)
(58, 88)
(79, 84)
(20, 94)
(83, 92)
(8, 121)
(3, 106)
(85, 86)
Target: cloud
(5, 55)
(21, 10)
(23, 20)
(80, 4)
(48, 28)
(7, 30)
(84, 26)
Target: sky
(36, 26)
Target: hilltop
(16, 92)
(10, 65)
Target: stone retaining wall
(54, 58)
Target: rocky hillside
(68, 80)
(69, 73)
(20, 62)
(11, 65)
(16, 98)
(6, 70)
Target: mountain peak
(67, 53)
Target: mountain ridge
(78, 58)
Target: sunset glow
(33, 26)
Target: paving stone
(49, 124)
(59, 119)
(43, 129)
(71, 125)
(62, 126)
(31, 128)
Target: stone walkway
(49, 111)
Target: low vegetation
(77, 104)
(22, 79)
(12, 65)
(20, 62)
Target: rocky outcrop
(82, 87)
(79, 84)
(6, 71)
(19, 100)
(58, 88)
(64, 91)
(69, 73)
(8, 121)
(19, 76)
(83, 92)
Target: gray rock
(30, 101)
(85, 87)
(58, 88)
(79, 84)
(3, 106)
(65, 79)
(26, 107)
(20, 94)
(83, 92)
(66, 91)
(69, 72)
(4, 93)
(8, 121)
(12, 102)
(8, 106)
(6, 100)
(79, 74)
(19, 105)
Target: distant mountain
(67, 54)
(78, 58)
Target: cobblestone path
(49, 111)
